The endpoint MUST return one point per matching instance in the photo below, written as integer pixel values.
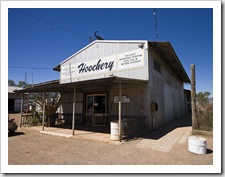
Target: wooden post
(74, 110)
(43, 117)
(28, 97)
(120, 99)
(21, 111)
(193, 98)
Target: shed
(14, 99)
(138, 83)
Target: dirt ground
(29, 147)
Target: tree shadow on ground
(15, 134)
(155, 134)
(83, 127)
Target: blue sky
(34, 40)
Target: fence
(31, 119)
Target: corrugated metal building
(139, 83)
(14, 99)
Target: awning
(96, 84)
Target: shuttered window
(157, 66)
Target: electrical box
(154, 107)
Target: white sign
(131, 59)
(68, 71)
(100, 65)
(103, 65)
(96, 66)
(124, 99)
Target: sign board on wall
(124, 99)
(131, 59)
(105, 65)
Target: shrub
(204, 113)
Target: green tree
(51, 101)
(11, 83)
(203, 98)
(204, 111)
(22, 84)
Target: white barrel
(114, 130)
(197, 145)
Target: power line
(50, 23)
(27, 67)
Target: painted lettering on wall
(131, 59)
(84, 68)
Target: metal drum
(114, 131)
(197, 145)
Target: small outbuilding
(14, 99)
(139, 84)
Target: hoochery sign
(83, 67)
(104, 65)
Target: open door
(96, 109)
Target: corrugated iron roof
(11, 89)
(42, 87)
(166, 51)
(55, 86)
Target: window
(157, 66)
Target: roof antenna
(97, 36)
(156, 30)
(25, 78)
(91, 39)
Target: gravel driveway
(29, 147)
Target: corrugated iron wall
(166, 89)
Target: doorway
(11, 104)
(96, 109)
